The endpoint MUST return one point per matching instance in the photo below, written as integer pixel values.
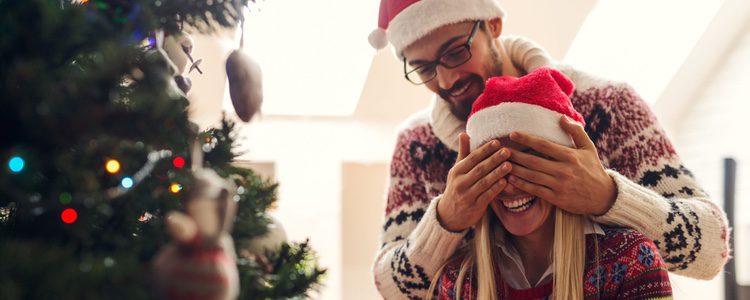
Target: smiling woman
(526, 248)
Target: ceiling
(317, 63)
(664, 49)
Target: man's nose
(446, 77)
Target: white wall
(713, 127)
(309, 155)
(362, 203)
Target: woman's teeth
(461, 91)
(519, 205)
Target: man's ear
(495, 27)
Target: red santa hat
(402, 22)
(532, 104)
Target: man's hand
(572, 178)
(473, 182)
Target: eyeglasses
(450, 59)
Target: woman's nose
(510, 189)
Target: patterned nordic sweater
(656, 194)
(629, 267)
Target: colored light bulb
(65, 198)
(69, 216)
(112, 166)
(16, 164)
(127, 182)
(175, 188)
(178, 162)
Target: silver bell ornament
(271, 241)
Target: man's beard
(461, 110)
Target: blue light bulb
(127, 182)
(16, 164)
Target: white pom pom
(378, 39)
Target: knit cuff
(432, 244)
(635, 207)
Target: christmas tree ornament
(145, 217)
(271, 241)
(261, 259)
(127, 182)
(175, 188)
(179, 47)
(184, 83)
(65, 198)
(69, 216)
(5, 213)
(16, 164)
(245, 81)
(178, 162)
(245, 84)
(200, 261)
(158, 57)
(196, 65)
(112, 166)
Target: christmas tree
(97, 146)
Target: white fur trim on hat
(422, 17)
(502, 119)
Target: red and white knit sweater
(656, 194)
(624, 265)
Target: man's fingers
(462, 183)
(463, 146)
(534, 162)
(465, 165)
(535, 176)
(487, 196)
(580, 138)
(488, 180)
(534, 189)
(543, 146)
(488, 165)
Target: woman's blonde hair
(569, 248)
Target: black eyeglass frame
(439, 60)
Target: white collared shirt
(512, 268)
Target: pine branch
(294, 274)
(77, 89)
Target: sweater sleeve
(414, 244)
(656, 194)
